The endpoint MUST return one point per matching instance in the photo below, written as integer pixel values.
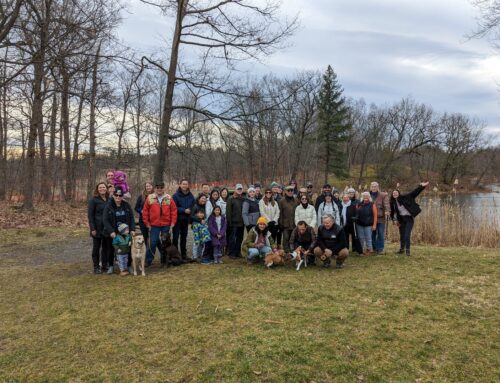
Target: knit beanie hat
(122, 227)
(262, 220)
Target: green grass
(432, 317)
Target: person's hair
(144, 192)
(205, 184)
(393, 200)
(182, 180)
(220, 194)
(200, 212)
(325, 216)
(215, 208)
(110, 171)
(212, 192)
(267, 200)
(374, 183)
(96, 190)
(199, 197)
(302, 223)
(366, 194)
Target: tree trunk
(92, 122)
(161, 158)
(52, 145)
(68, 195)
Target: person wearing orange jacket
(158, 214)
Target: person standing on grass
(199, 227)
(139, 205)
(286, 222)
(270, 210)
(328, 207)
(305, 212)
(159, 215)
(184, 200)
(101, 245)
(366, 215)
(258, 242)
(222, 202)
(347, 213)
(331, 243)
(217, 227)
(116, 212)
(404, 209)
(250, 209)
(235, 222)
(381, 201)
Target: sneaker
(124, 273)
(110, 270)
(97, 270)
(407, 253)
(339, 266)
(206, 262)
(130, 270)
(381, 252)
(399, 252)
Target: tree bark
(92, 122)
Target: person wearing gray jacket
(250, 210)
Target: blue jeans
(365, 236)
(154, 240)
(378, 237)
(405, 228)
(253, 252)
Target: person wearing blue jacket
(184, 200)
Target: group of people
(298, 221)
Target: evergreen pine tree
(333, 125)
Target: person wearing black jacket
(139, 205)
(331, 242)
(404, 209)
(115, 212)
(347, 219)
(184, 200)
(234, 218)
(101, 245)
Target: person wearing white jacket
(328, 207)
(269, 209)
(305, 212)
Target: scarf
(344, 211)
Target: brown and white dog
(138, 253)
(276, 258)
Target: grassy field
(432, 317)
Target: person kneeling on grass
(331, 242)
(258, 242)
(122, 243)
(302, 241)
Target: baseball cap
(238, 186)
(160, 184)
(351, 190)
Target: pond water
(480, 205)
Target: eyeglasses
(269, 192)
(309, 187)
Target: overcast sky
(381, 50)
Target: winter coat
(408, 201)
(270, 212)
(122, 243)
(333, 239)
(139, 206)
(95, 212)
(328, 208)
(160, 216)
(183, 201)
(287, 207)
(201, 234)
(109, 217)
(350, 214)
(366, 214)
(250, 211)
(194, 212)
(381, 201)
(306, 240)
(308, 215)
(223, 205)
(251, 239)
(234, 209)
(214, 231)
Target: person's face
(184, 185)
(374, 188)
(159, 190)
(118, 199)
(262, 226)
(274, 189)
(217, 212)
(328, 222)
(328, 198)
(149, 187)
(352, 195)
(366, 198)
(269, 194)
(203, 200)
(200, 214)
(395, 194)
(328, 190)
(109, 176)
(289, 192)
(257, 190)
(251, 193)
(346, 198)
(205, 189)
(301, 229)
(309, 189)
(223, 193)
(239, 191)
(102, 189)
(336, 195)
(303, 199)
(215, 196)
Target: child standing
(122, 243)
(217, 227)
(201, 235)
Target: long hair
(96, 190)
(220, 194)
(267, 200)
(144, 193)
(393, 200)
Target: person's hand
(424, 184)
(149, 227)
(219, 236)
(260, 245)
(187, 211)
(374, 228)
(132, 234)
(168, 196)
(113, 235)
(93, 233)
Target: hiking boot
(339, 266)
(130, 270)
(97, 270)
(381, 252)
(110, 270)
(124, 273)
(400, 252)
(206, 262)
(408, 252)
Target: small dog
(300, 257)
(138, 252)
(170, 256)
(278, 258)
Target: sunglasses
(269, 192)
(118, 195)
(309, 187)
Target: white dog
(138, 252)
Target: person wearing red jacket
(158, 214)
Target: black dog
(170, 256)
